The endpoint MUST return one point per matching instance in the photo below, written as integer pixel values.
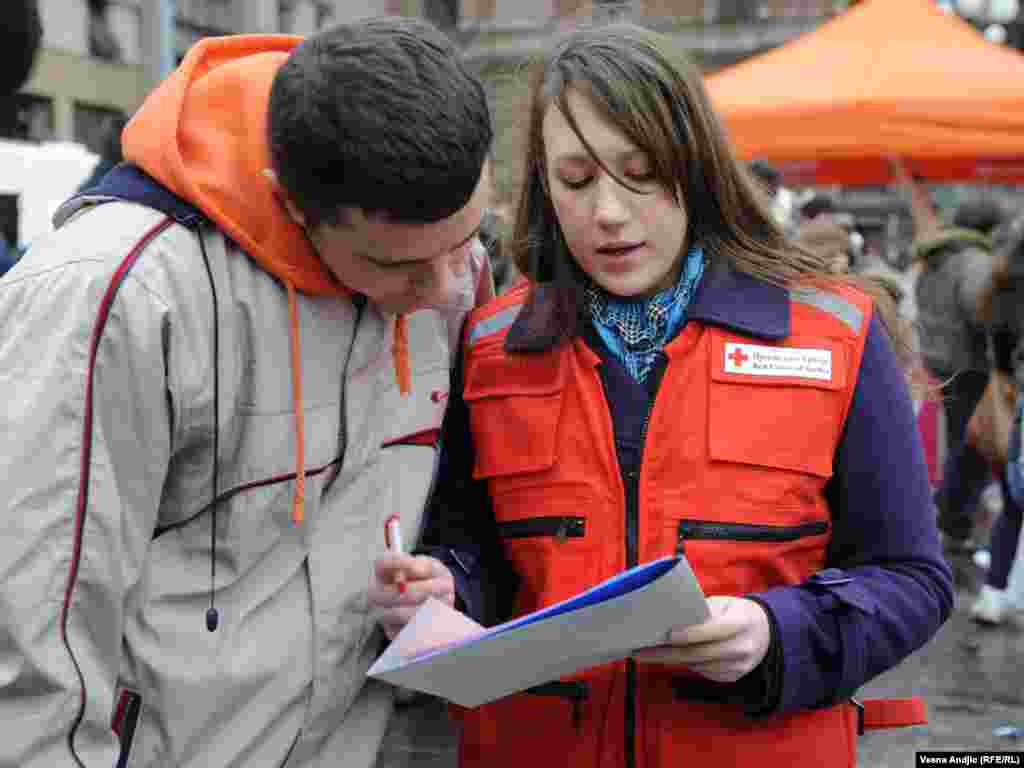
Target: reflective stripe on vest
(496, 323)
(832, 303)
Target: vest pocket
(736, 558)
(715, 530)
(553, 554)
(556, 719)
(783, 422)
(561, 528)
(574, 691)
(515, 407)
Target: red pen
(393, 541)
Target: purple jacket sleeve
(460, 530)
(886, 588)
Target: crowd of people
(274, 325)
(962, 319)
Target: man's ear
(282, 195)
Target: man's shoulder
(105, 242)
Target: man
(224, 370)
(1002, 310)
(780, 197)
(956, 267)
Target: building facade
(100, 57)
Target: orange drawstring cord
(400, 354)
(299, 501)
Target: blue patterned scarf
(635, 330)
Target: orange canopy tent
(887, 78)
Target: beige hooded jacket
(133, 399)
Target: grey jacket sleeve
(84, 446)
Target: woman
(1012, 598)
(1001, 312)
(675, 376)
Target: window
(31, 119)
(102, 42)
(95, 125)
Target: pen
(393, 541)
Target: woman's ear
(282, 196)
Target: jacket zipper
(575, 690)
(561, 528)
(360, 303)
(710, 529)
(632, 558)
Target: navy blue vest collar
(739, 302)
(130, 183)
(725, 297)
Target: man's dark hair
(980, 215)
(380, 115)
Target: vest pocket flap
(799, 362)
(532, 373)
(773, 427)
(790, 428)
(515, 405)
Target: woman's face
(629, 243)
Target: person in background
(20, 37)
(230, 362)
(956, 267)
(492, 235)
(818, 205)
(1002, 312)
(828, 235)
(780, 197)
(677, 377)
(1013, 597)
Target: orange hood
(202, 133)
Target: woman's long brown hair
(642, 83)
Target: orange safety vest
(739, 445)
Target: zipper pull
(563, 531)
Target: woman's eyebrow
(584, 157)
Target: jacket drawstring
(403, 373)
(299, 501)
(400, 355)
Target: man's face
(402, 267)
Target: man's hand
(724, 648)
(422, 577)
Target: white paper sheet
(473, 666)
